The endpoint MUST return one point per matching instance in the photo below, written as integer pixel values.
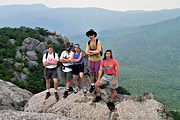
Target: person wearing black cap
(66, 59)
(93, 49)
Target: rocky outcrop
(30, 43)
(81, 107)
(12, 97)
(28, 53)
(19, 115)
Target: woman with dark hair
(110, 77)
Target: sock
(98, 94)
(92, 84)
(67, 89)
(55, 90)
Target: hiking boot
(97, 99)
(56, 96)
(48, 94)
(65, 94)
(76, 90)
(111, 106)
(91, 88)
(84, 90)
(71, 89)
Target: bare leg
(75, 77)
(113, 91)
(47, 84)
(55, 83)
(68, 83)
(82, 79)
(97, 86)
(92, 77)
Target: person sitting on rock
(50, 60)
(110, 77)
(78, 69)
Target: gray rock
(19, 115)
(12, 41)
(23, 48)
(32, 63)
(32, 55)
(41, 47)
(81, 107)
(17, 65)
(18, 54)
(19, 76)
(53, 39)
(12, 97)
(30, 43)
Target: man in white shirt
(66, 59)
(50, 60)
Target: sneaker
(84, 90)
(48, 94)
(65, 94)
(97, 99)
(91, 88)
(56, 95)
(76, 90)
(71, 89)
(111, 106)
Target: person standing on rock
(66, 59)
(78, 69)
(93, 49)
(50, 60)
(110, 77)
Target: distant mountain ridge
(72, 21)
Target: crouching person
(110, 77)
(50, 60)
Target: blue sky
(121, 5)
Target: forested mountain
(72, 21)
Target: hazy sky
(121, 5)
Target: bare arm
(100, 72)
(79, 58)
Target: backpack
(101, 52)
(47, 54)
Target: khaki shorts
(108, 79)
(67, 75)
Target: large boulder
(31, 55)
(12, 97)
(30, 43)
(81, 107)
(41, 47)
(19, 115)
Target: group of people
(105, 71)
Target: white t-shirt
(65, 54)
(50, 57)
